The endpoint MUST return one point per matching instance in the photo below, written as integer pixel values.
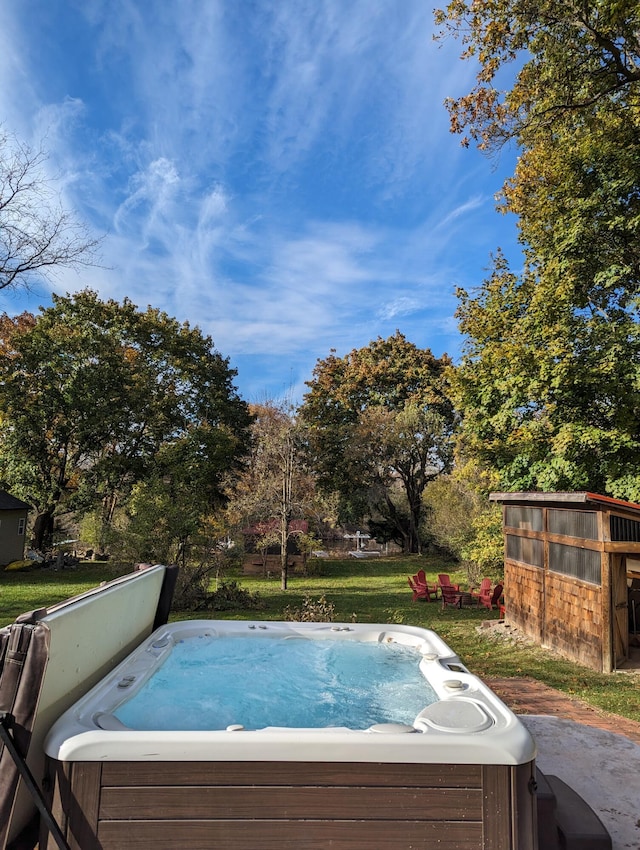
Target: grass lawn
(374, 591)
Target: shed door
(620, 610)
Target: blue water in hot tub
(213, 682)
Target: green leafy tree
(551, 402)
(548, 386)
(159, 521)
(97, 396)
(463, 522)
(379, 426)
(573, 60)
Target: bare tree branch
(36, 234)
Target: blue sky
(278, 172)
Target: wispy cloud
(398, 307)
(150, 202)
(280, 174)
(461, 211)
(17, 92)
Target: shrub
(192, 587)
(451, 508)
(312, 610)
(231, 595)
(486, 548)
(192, 590)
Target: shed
(572, 573)
(13, 523)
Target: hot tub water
(210, 682)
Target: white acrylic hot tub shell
(468, 725)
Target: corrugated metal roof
(575, 498)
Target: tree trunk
(400, 524)
(43, 530)
(284, 536)
(414, 487)
(285, 506)
(414, 534)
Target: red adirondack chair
(450, 596)
(484, 594)
(493, 598)
(445, 581)
(421, 579)
(419, 590)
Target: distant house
(13, 525)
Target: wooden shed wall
(556, 610)
(573, 619)
(524, 594)
(567, 558)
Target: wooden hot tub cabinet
(298, 805)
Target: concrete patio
(597, 754)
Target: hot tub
(457, 774)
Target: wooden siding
(524, 598)
(557, 610)
(302, 806)
(573, 619)
(288, 835)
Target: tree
(463, 522)
(97, 396)
(276, 487)
(37, 235)
(379, 426)
(577, 60)
(549, 394)
(548, 385)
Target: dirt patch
(501, 630)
